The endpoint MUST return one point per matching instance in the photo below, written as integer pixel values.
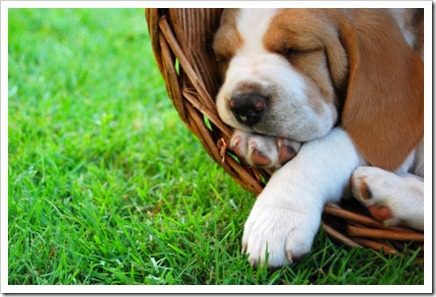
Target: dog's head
(295, 73)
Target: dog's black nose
(248, 107)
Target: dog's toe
(263, 151)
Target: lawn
(107, 185)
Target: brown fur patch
(384, 108)
(227, 39)
(304, 37)
(289, 35)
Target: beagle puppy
(338, 91)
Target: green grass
(106, 184)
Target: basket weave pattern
(181, 41)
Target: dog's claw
(244, 248)
(289, 256)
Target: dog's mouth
(262, 132)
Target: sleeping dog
(338, 91)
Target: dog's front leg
(286, 215)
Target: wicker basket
(181, 41)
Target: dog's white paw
(263, 151)
(283, 233)
(391, 199)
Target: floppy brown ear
(384, 107)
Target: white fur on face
(289, 113)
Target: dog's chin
(289, 134)
(258, 129)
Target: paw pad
(258, 158)
(380, 212)
(287, 150)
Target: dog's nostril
(259, 103)
(248, 107)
